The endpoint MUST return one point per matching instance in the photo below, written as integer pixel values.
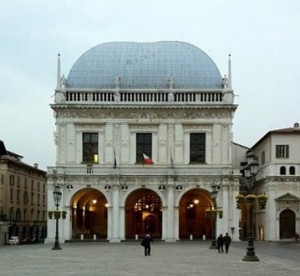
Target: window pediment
(287, 197)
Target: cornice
(112, 90)
(144, 114)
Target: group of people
(223, 241)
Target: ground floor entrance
(93, 215)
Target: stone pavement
(122, 259)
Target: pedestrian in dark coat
(220, 243)
(227, 241)
(146, 243)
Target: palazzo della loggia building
(143, 139)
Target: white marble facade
(117, 113)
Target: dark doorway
(89, 214)
(193, 219)
(143, 214)
(287, 224)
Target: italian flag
(147, 160)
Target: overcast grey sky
(263, 38)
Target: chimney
(36, 165)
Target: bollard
(94, 237)
(191, 237)
(136, 237)
(81, 237)
(204, 237)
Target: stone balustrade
(144, 97)
(139, 170)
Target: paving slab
(127, 258)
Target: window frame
(144, 142)
(282, 151)
(90, 148)
(197, 148)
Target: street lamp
(250, 172)
(213, 213)
(56, 197)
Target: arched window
(292, 170)
(18, 215)
(282, 170)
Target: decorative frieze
(148, 114)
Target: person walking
(220, 243)
(227, 241)
(147, 244)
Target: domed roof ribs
(58, 72)
(229, 73)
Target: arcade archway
(287, 224)
(192, 216)
(143, 214)
(89, 214)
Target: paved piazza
(182, 258)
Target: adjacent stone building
(143, 137)
(278, 177)
(23, 199)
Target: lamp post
(57, 197)
(213, 214)
(250, 172)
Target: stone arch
(143, 214)
(89, 214)
(193, 219)
(287, 224)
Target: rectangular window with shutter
(282, 151)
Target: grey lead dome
(145, 65)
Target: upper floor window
(32, 198)
(197, 148)
(90, 148)
(11, 195)
(18, 196)
(292, 170)
(12, 180)
(282, 151)
(143, 146)
(25, 197)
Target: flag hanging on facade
(147, 160)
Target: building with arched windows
(143, 140)
(278, 178)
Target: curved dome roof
(145, 65)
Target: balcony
(145, 97)
(140, 170)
